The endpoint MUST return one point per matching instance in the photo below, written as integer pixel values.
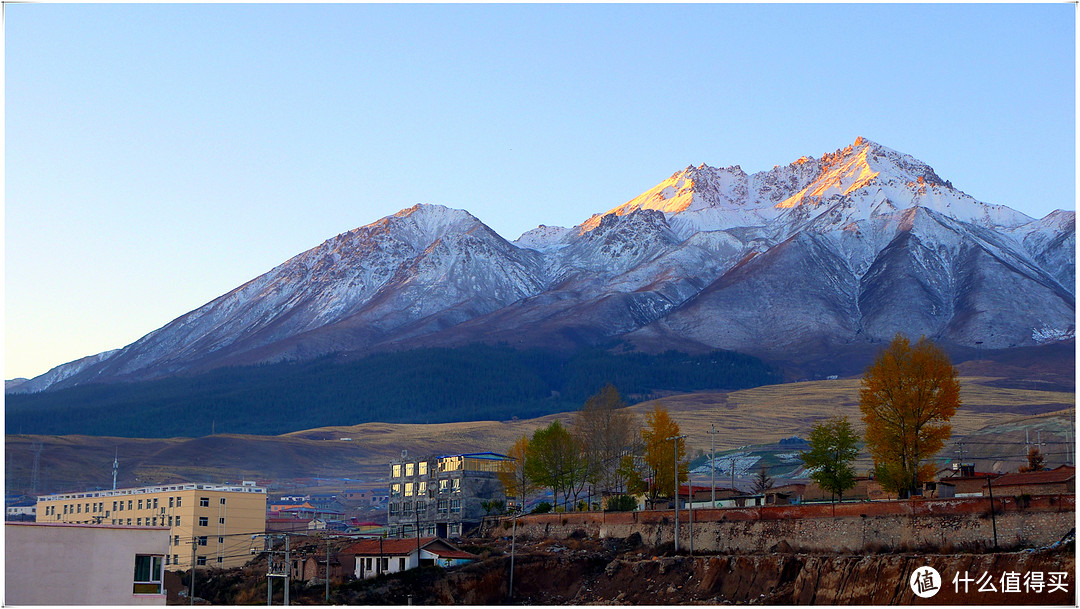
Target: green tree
(660, 454)
(833, 447)
(907, 398)
(552, 459)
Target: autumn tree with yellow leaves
(907, 398)
(660, 453)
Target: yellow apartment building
(213, 522)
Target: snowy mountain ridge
(815, 253)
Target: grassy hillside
(992, 420)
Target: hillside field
(992, 422)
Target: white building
(83, 564)
(376, 557)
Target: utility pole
(37, 446)
(733, 459)
(513, 542)
(191, 584)
(712, 464)
(675, 453)
(993, 517)
(690, 486)
(327, 595)
(281, 569)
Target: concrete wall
(68, 564)
(936, 524)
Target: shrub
(622, 503)
(542, 508)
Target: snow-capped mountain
(817, 255)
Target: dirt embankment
(588, 572)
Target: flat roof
(144, 490)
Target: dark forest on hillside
(478, 382)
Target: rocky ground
(583, 571)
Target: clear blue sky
(158, 156)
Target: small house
(375, 557)
(1060, 480)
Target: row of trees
(907, 398)
(604, 450)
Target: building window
(170, 520)
(423, 468)
(130, 502)
(386, 564)
(441, 506)
(393, 509)
(167, 557)
(177, 521)
(203, 521)
(455, 528)
(155, 503)
(397, 471)
(444, 485)
(114, 506)
(140, 504)
(178, 502)
(175, 559)
(154, 523)
(78, 508)
(200, 560)
(221, 540)
(421, 507)
(138, 522)
(406, 508)
(202, 540)
(410, 469)
(129, 522)
(401, 564)
(176, 540)
(147, 574)
(408, 489)
(219, 559)
(204, 502)
(395, 490)
(455, 506)
(222, 501)
(421, 488)
(221, 520)
(456, 485)
(450, 464)
(170, 502)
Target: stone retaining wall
(929, 525)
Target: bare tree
(606, 431)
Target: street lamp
(675, 453)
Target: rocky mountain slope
(805, 260)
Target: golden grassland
(753, 416)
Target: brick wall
(934, 524)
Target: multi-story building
(442, 495)
(83, 564)
(215, 520)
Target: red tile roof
(452, 554)
(395, 547)
(1062, 473)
